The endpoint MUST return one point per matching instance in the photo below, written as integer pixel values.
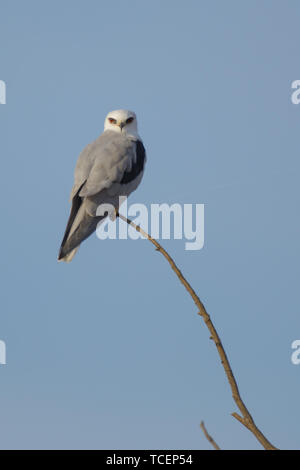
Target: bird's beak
(121, 125)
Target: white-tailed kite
(110, 167)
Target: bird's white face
(122, 121)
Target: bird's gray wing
(82, 171)
(83, 167)
(100, 167)
(76, 204)
(137, 166)
(109, 165)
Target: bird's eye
(112, 120)
(129, 120)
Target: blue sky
(108, 351)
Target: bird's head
(122, 121)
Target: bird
(108, 168)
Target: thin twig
(208, 436)
(246, 418)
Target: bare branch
(208, 436)
(246, 418)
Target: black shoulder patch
(138, 166)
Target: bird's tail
(83, 226)
(69, 256)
